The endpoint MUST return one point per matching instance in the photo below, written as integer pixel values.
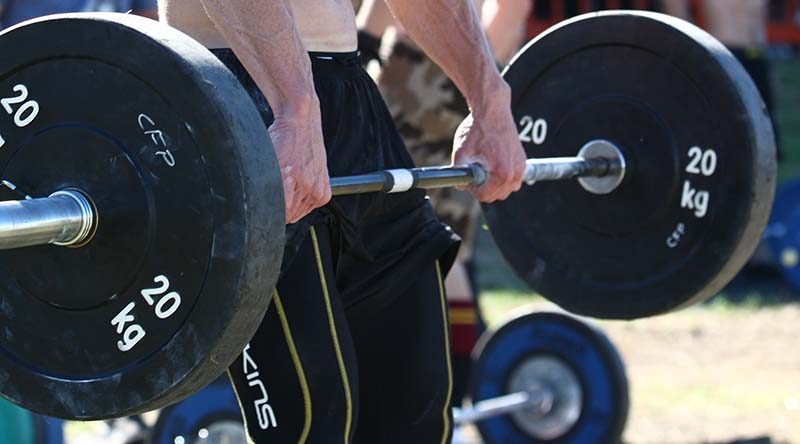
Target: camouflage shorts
(427, 108)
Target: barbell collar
(65, 218)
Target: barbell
(68, 217)
(143, 229)
(545, 377)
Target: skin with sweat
(264, 32)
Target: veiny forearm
(450, 32)
(264, 37)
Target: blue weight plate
(202, 418)
(19, 426)
(48, 430)
(582, 351)
(783, 232)
(787, 200)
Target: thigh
(296, 379)
(404, 366)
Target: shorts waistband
(343, 58)
(336, 64)
(322, 63)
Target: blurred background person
(742, 26)
(15, 11)
(427, 108)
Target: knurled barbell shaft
(400, 180)
(67, 217)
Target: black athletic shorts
(355, 346)
(381, 237)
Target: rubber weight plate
(176, 160)
(701, 165)
(576, 363)
(48, 430)
(211, 415)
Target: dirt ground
(708, 375)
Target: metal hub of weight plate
(700, 165)
(575, 363)
(211, 415)
(178, 273)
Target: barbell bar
(599, 166)
(68, 218)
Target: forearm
(450, 32)
(264, 37)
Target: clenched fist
(301, 155)
(489, 137)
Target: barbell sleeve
(538, 402)
(65, 218)
(561, 168)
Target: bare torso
(324, 25)
(740, 23)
